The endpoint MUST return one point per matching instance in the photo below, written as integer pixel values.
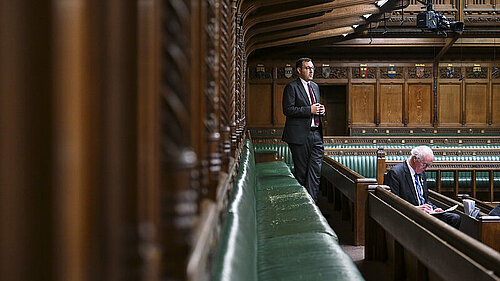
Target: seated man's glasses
(425, 165)
(309, 68)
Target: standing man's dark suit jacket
(297, 109)
(401, 182)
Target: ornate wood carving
(481, 17)
(255, 73)
(384, 140)
(335, 72)
(226, 82)
(414, 140)
(384, 73)
(212, 95)
(281, 72)
(398, 151)
(179, 183)
(412, 73)
(233, 90)
(371, 73)
(497, 74)
(469, 73)
(429, 131)
(443, 73)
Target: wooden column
(26, 126)
(179, 184)
(149, 138)
(212, 95)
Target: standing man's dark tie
(313, 101)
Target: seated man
(408, 181)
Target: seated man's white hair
(421, 151)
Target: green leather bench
(274, 230)
(367, 167)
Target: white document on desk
(444, 211)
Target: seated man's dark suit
(305, 143)
(400, 181)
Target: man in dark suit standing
(303, 130)
(408, 181)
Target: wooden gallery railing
(455, 167)
(212, 216)
(417, 246)
(346, 190)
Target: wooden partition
(339, 182)
(486, 231)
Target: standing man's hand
(322, 110)
(316, 108)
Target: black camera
(437, 22)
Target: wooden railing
(416, 244)
(485, 230)
(207, 232)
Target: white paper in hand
(444, 211)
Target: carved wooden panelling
(495, 74)
(424, 131)
(179, 183)
(384, 73)
(362, 104)
(279, 117)
(475, 103)
(496, 105)
(260, 103)
(371, 73)
(419, 104)
(415, 72)
(480, 73)
(391, 104)
(283, 72)
(417, 140)
(258, 72)
(449, 104)
(331, 72)
(339, 72)
(478, 17)
(452, 73)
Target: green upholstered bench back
(281, 150)
(237, 255)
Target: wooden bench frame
(486, 231)
(438, 247)
(353, 187)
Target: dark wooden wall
(117, 119)
(407, 99)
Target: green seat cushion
(304, 256)
(289, 213)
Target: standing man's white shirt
(304, 83)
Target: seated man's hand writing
(426, 208)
